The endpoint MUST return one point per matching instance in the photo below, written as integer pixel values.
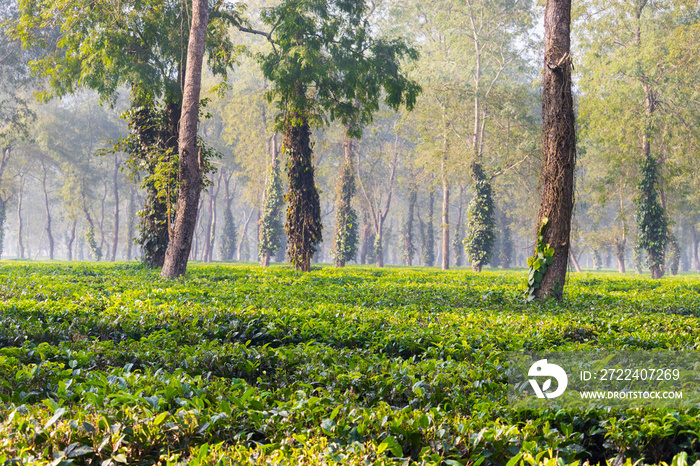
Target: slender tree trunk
(409, 247)
(457, 245)
(48, 211)
(365, 234)
(71, 239)
(190, 163)
(244, 231)
(379, 243)
(572, 256)
(115, 236)
(207, 229)
(445, 225)
(559, 146)
(20, 244)
(130, 224)
(695, 239)
(102, 219)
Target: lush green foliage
(538, 263)
(110, 362)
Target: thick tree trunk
(304, 209)
(115, 236)
(48, 212)
(559, 146)
(178, 251)
(620, 253)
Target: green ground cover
(108, 364)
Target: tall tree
(548, 269)
(140, 44)
(190, 160)
(324, 66)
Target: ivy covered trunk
(304, 207)
(559, 150)
(190, 163)
(346, 231)
(652, 222)
(271, 229)
(151, 136)
(481, 224)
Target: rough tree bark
(558, 146)
(190, 174)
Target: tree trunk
(429, 244)
(457, 244)
(304, 209)
(130, 225)
(69, 243)
(178, 251)
(365, 234)
(445, 225)
(207, 229)
(409, 248)
(48, 211)
(115, 236)
(620, 253)
(102, 219)
(20, 244)
(696, 240)
(559, 146)
(239, 252)
(378, 243)
(573, 260)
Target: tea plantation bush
(109, 364)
